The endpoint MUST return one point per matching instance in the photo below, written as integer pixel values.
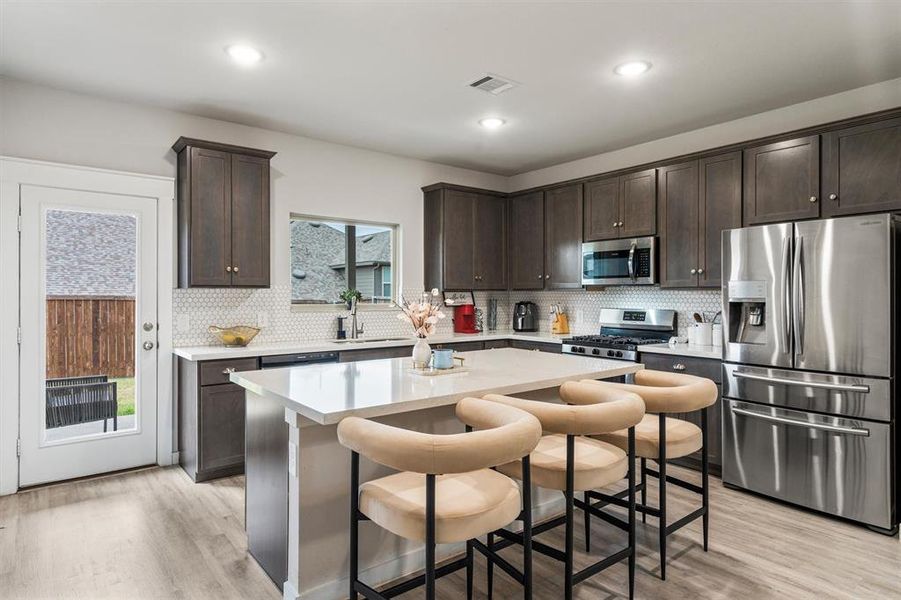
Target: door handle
(147, 345)
(825, 385)
(632, 261)
(798, 316)
(809, 425)
(786, 294)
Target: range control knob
(610, 353)
(619, 353)
(595, 351)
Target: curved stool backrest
(664, 392)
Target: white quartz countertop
(220, 352)
(326, 393)
(713, 352)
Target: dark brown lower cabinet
(211, 417)
(701, 367)
(537, 346)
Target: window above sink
(331, 256)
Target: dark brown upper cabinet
(719, 206)
(862, 169)
(223, 214)
(697, 201)
(465, 238)
(782, 181)
(526, 241)
(679, 225)
(563, 237)
(619, 207)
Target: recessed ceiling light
(244, 55)
(491, 122)
(630, 69)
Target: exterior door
(842, 301)
(88, 393)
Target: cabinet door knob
(614, 224)
(235, 269)
(229, 269)
(228, 370)
(833, 196)
(678, 367)
(620, 224)
(547, 276)
(813, 198)
(693, 271)
(700, 271)
(540, 277)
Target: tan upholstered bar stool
(567, 461)
(660, 438)
(446, 491)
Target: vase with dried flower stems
(423, 315)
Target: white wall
(308, 176)
(872, 98)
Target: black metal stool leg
(705, 472)
(430, 537)
(661, 459)
(631, 512)
(587, 514)
(469, 570)
(490, 567)
(527, 528)
(644, 488)
(354, 522)
(570, 484)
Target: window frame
(395, 241)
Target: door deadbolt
(148, 326)
(148, 345)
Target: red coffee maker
(465, 319)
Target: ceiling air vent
(493, 84)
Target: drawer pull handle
(228, 370)
(840, 387)
(786, 421)
(678, 367)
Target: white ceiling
(393, 77)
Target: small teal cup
(442, 359)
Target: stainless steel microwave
(620, 262)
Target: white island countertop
(326, 393)
(255, 349)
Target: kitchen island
(294, 460)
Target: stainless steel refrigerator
(810, 367)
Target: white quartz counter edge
(712, 352)
(246, 380)
(196, 353)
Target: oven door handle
(632, 261)
(825, 385)
(809, 425)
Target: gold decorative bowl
(235, 337)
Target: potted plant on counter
(423, 315)
(349, 296)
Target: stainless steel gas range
(622, 332)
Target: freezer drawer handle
(841, 387)
(809, 425)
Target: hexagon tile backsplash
(270, 309)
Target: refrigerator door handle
(786, 421)
(798, 312)
(786, 294)
(825, 385)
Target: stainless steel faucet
(355, 331)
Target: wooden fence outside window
(90, 335)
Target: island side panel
(266, 485)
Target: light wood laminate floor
(155, 534)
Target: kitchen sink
(370, 340)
